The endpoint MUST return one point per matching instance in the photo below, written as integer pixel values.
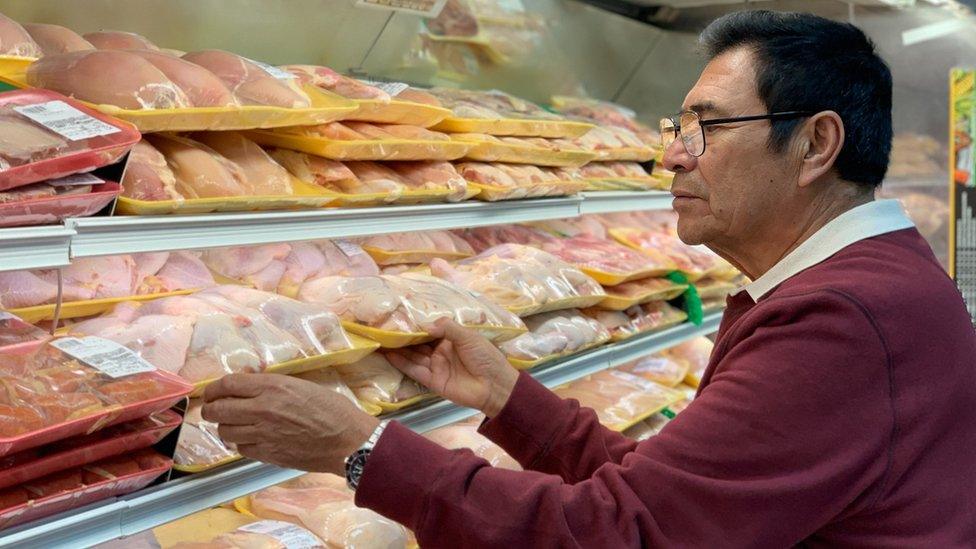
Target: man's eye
(711, 129)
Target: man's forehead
(726, 87)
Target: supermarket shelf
(98, 236)
(34, 247)
(167, 502)
(596, 202)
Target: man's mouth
(681, 193)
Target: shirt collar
(865, 221)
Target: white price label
(274, 71)
(290, 535)
(638, 381)
(66, 120)
(75, 180)
(106, 356)
(655, 364)
(348, 248)
(392, 88)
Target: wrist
(355, 463)
(501, 391)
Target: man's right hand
(462, 367)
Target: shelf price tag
(108, 357)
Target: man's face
(731, 194)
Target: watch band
(356, 463)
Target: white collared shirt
(865, 221)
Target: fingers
(231, 411)
(237, 386)
(419, 372)
(235, 434)
(446, 328)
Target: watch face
(355, 467)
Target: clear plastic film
(607, 261)
(648, 428)
(498, 181)
(554, 334)
(659, 368)
(18, 336)
(334, 176)
(695, 354)
(415, 247)
(283, 268)
(498, 113)
(710, 288)
(607, 114)
(50, 395)
(482, 238)
(694, 262)
(638, 319)
(323, 504)
(15, 41)
(620, 399)
(619, 176)
(376, 383)
(44, 135)
(626, 295)
(200, 447)
(407, 304)
(433, 176)
(523, 279)
(331, 380)
(465, 435)
(45, 204)
(609, 143)
(524, 150)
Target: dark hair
(808, 63)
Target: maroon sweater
(839, 410)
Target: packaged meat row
(607, 114)
(53, 201)
(638, 292)
(524, 150)
(695, 354)
(498, 181)
(91, 285)
(620, 399)
(227, 329)
(553, 335)
(638, 319)
(414, 247)
(17, 336)
(612, 143)
(522, 279)
(620, 176)
(498, 113)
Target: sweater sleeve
(792, 432)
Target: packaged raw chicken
(376, 383)
(323, 504)
(498, 181)
(75, 386)
(695, 261)
(44, 135)
(81, 450)
(498, 113)
(649, 427)
(607, 261)
(329, 80)
(55, 200)
(407, 304)
(609, 115)
(620, 399)
(119, 40)
(200, 447)
(626, 295)
(432, 176)
(584, 225)
(227, 329)
(15, 41)
(482, 238)
(335, 176)
(414, 247)
(283, 268)
(710, 288)
(523, 279)
(250, 82)
(202, 87)
(524, 150)
(200, 171)
(253, 534)
(659, 368)
(148, 176)
(552, 335)
(465, 435)
(110, 77)
(637, 319)
(17, 336)
(695, 355)
(262, 175)
(55, 39)
(67, 490)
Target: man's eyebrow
(707, 107)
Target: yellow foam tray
(613, 279)
(325, 107)
(625, 184)
(90, 307)
(487, 151)
(620, 303)
(361, 347)
(199, 527)
(306, 196)
(620, 234)
(392, 149)
(400, 257)
(193, 469)
(522, 364)
(390, 407)
(627, 154)
(678, 319)
(523, 127)
(394, 340)
(398, 112)
(674, 397)
(573, 302)
(490, 193)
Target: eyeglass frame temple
(714, 121)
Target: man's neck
(761, 253)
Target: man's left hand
(287, 421)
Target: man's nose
(677, 159)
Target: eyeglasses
(692, 128)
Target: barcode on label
(104, 355)
(66, 120)
(289, 535)
(392, 88)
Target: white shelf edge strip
(34, 247)
(596, 202)
(147, 509)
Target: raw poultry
(374, 380)
(432, 175)
(416, 246)
(695, 261)
(15, 40)
(489, 104)
(695, 354)
(618, 398)
(482, 238)
(262, 175)
(637, 319)
(202, 87)
(251, 83)
(521, 278)
(555, 333)
(466, 435)
(659, 368)
(36, 191)
(119, 40)
(329, 80)
(199, 443)
(333, 175)
(147, 175)
(605, 255)
(55, 39)
(22, 141)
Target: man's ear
(823, 138)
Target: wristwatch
(356, 463)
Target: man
(837, 409)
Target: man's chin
(690, 232)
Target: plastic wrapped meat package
(524, 150)
(323, 504)
(200, 447)
(50, 395)
(647, 428)
(432, 176)
(514, 181)
(15, 40)
(637, 319)
(626, 295)
(498, 113)
(695, 261)
(55, 200)
(222, 529)
(334, 176)
(250, 82)
(619, 399)
(695, 354)
(73, 488)
(407, 304)
(219, 331)
(377, 384)
(55, 39)
(554, 334)
(81, 450)
(482, 238)
(44, 135)
(584, 225)
(607, 261)
(659, 368)
(108, 277)
(415, 247)
(711, 289)
(119, 40)
(465, 435)
(17, 336)
(607, 114)
(523, 279)
(283, 268)
(329, 80)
